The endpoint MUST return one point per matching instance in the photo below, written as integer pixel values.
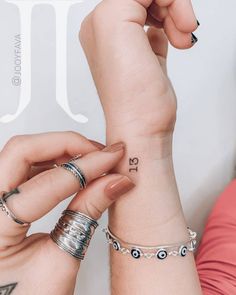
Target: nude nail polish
(194, 39)
(114, 147)
(118, 187)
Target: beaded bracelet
(159, 252)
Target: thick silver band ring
(4, 207)
(73, 233)
(76, 171)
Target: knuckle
(98, 14)
(16, 142)
(106, 12)
(92, 209)
(72, 133)
(95, 22)
(16, 139)
(48, 181)
(43, 179)
(89, 25)
(83, 30)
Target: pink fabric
(216, 255)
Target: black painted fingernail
(198, 23)
(194, 39)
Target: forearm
(151, 215)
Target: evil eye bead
(161, 254)
(183, 251)
(116, 245)
(136, 253)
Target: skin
(24, 260)
(176, 17)
(129, 70)
(140, 109)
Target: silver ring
(76, 171)
(4, 207)
(77, 157)
(73, 233)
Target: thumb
(93, 201)
(101, 194)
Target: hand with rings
(37, 173)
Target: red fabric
(216, 255)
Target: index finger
(24, 150)
(182, 13)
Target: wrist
(149, 147)
(154, 205)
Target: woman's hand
(34, 264)
(129, 65)
(177, 19)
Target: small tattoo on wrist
(133, 164)
(7, 289)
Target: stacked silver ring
(73, 233)
(77, 172)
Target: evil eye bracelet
(158, 252)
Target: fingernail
(198, 23)
(114, 147)
(119, 187)
(194, 39)
(97, 144)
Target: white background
(205, 82)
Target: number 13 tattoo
(133, 164)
